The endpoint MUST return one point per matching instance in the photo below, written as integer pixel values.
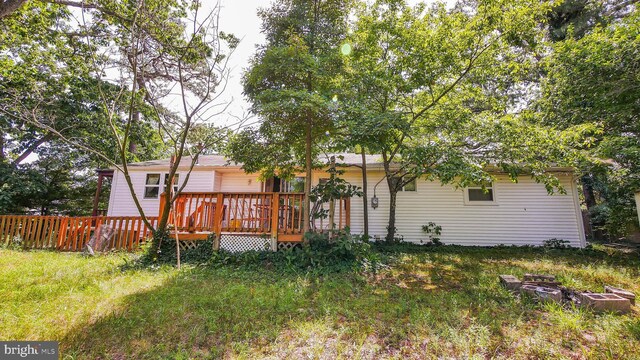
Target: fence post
(275, 220)
(62, 230)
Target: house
(510, 213)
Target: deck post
(275, 214)
(217, 220)
(163, 200)
(347, 208)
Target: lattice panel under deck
(188, 244)
(283, 246)
(240, 243)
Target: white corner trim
(579, 218)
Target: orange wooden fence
(72, 233)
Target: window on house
(176, 178)
(410, 186)
(293, 185)
(152, 186)
(478, 195)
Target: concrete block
(605, 302)
(621, 292)
(538, 277)
(542, 293)
(510, 282)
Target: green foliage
(319, 254)
(591, 81)
(335, 188)
(555, 243)
(162, 251)
(291, 82)
(55, 184)
(434, 231)
(439, 93)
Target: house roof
(343, 159)
(221, 162)
(203, 160)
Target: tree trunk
(2, 156)
(391, 228)
(308, 179)
(133, 147)
(365, 198)
(590, 202)
(332, 204)
(393, 193)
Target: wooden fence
(72, 233)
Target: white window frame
(161, 186)
(176, 180)
(491, 187)
(144, 192)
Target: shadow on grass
(435, 294)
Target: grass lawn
(436, 302)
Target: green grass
(430, 303)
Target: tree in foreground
(291, 83)
(592, 80)
(438, 93)
(138, 57)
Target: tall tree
(435, 93)
(158, 48)
(291, 81)
(592, 79)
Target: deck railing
(269, 213)
(196, 214)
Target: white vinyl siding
(524, 215)
(121, 203)
(239, 182)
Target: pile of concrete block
(545, 288)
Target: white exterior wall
(524, 214)
(121, 202)
(239, 182)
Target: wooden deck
(196, 215)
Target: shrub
(555, 243)
(434, 231)
(318, 254)
(166, 253)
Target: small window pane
(297, 185)
(153, 179)
(480, 195)
(410, 186)
(176, 177)
(151, 191)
